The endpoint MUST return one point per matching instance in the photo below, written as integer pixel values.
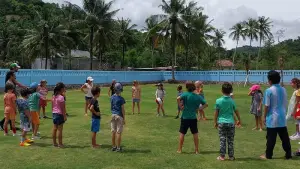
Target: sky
(285, 14)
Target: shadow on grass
(65, 146)
(132, 151)
(209, 152)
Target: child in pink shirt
(42, 89)
(59, 114)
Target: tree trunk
(46, 35)
(70, 59)
(173, 46)
(235, 52)
(123, 56)
(151, 41)
(91, 46)
(100, 54)
(258, 54)
(186, 57)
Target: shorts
(88, 98)
(35, 117)
(10, 116)
(25, 126)
(135, 100)
(58, 119)
(297, 122)
(186, 124)
(43, 103)
(117, 123)
(95, 125)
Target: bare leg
(181, 140)
(133, 105)
(158, 109)
(94, 143)
(203, 114)
(85, 108)
(297, 128)
(60, 134)
(119, 138)
(260, 123)
(113, 139)
(54, 131)
(138, 106)
(162, 109)
(44, 111)
(196, 142)
(5, 124)
(36, 128)
(13, 124)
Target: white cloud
(224, 12)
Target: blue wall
(78, 77)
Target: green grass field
(148, 141)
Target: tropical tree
(126, 36)
(264, 32)
(218, 41)
(237, 32)
(172, 23)
(151, 23)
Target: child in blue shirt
(224, 121)
(275, 101)
(179, 90)
(118, 117)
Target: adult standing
(88, 85)
(111, 90)
(10, 77)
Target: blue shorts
(58, 119)
(95, 125)
(135, 100)
(88, 98)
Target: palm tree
(218, 41)
(172, 23)
(126, 35)
(151, 23)
(264, 32)
(238, 32)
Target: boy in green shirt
(224, 121)
(189, 102)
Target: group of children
(190, 103)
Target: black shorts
(186, 124)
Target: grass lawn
(148, 141)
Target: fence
(74, 77)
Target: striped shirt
(276, 99)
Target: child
(42, 89)
(59, 114)
(34, 106)
(256, 105)
(275, 101)
(9, 108)
(293, 105)
(88, 94)
(224, 121)
(136, 96)
(237, 123)
(190, 106)
(118, 117)
(179, 90)
(160, 94)
(96, 115)
(25, 117)
(199, 91)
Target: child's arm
(296, 105)
(91, 108)
(216, 118)
(108, 92)
(63, 104)
(260, 103)
(180, 103)
(250, 93)
(238, 116)
(203, 106)
(132, 91)
(83, 87)
(123, 112)
(19, 84)
(156, 94)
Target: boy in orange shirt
(9, 108)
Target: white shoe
(293, 135)
(157, 115)
(13, 134)
(36, 138)
(296, 137)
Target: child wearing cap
(42, 89)
(160, 95)
(34, 106)
(86, 88)
(256, 105)
(118, 117)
